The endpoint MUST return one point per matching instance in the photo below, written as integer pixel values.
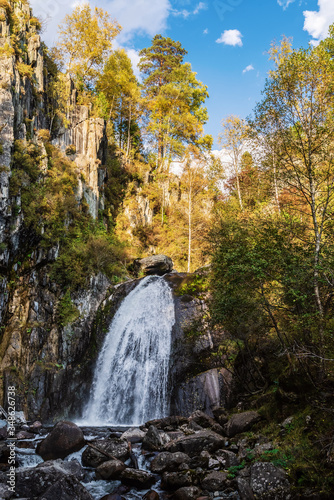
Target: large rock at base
(155, 440)
(241, 422)
(195, 443)
(38, 481)
(134, 435)
(102, 450)
(67, 488)
(269, 482)
(140, 479)
(187, 493)
(214, 481)
(110, 469)
(65, 438)
(176, 480)
(167, 461)
(155, 264)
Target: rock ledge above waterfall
(154, 264)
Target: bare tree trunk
(238, 189)
(275, 185)
(129, 136)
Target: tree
(119, 87)
(173, 100)
(232, 139)
(85, 41)
(298, 110)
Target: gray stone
(176, 480)
(167, 461)
(241, 422)
(65, 438)
(102, 450)
(155, 264)
(245, 491)
(214, 481)
(110, 469)
(154, 439)
(134, 435)
(269, 482)
(140, 479)
(187, 493)
(192, 445)
(227, 458)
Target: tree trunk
(276, 186)
(129, 136)
(189, 230)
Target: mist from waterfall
(131, 374)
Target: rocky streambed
(198, 457)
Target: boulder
(65, 438)
(214, 481)
(5, 492)
(72, 467)
(66, 488)
(194, 444)
(268, 482)
(155, 440)
(245, 491)
(202, 419)
(36, 427)
(167, 461)
(110, 469)
(102, 450)
(134, 435)
(37, 482)
(227, 458)
(140, 479)
(187, 493)
(151, 495)
(175, 480)
(173, 422)
(241, 422)
(155, 264)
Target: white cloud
(206, 31)
(317, 23)
(143, 16)
(186, 13)
(134, 57)
(250, 67)
(231, 37)
(284, 3)
(200, 6)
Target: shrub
(67, 312)
(44, 135)
(25, 69)
(71, 150)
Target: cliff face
(38, 354)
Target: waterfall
(130, 380)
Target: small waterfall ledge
(131, 374)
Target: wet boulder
(154, 264)
(167, 461)
(268, 482)
(187, 493)
(65, 438)
(214, 481)
(173, 422)
(155, 440)
(49, 480)
(195, 443)
(140, 479)
(241, 422)
(110, 469)
(102, 450)
(176, 480)
(134, 435)
(66, 488)
(227, 458)
(151, 495)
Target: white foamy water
(130, 381)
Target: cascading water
(130, 380)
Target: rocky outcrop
(154, 265)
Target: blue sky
(227, 40)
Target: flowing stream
(130, 380)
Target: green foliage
(88, 250)
(67, 312)
(232, 471)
